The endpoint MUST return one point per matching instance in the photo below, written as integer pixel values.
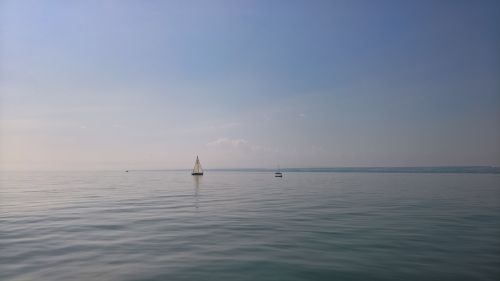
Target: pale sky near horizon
(152, 84)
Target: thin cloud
(210, 128)
(227, 142)
(240, 144)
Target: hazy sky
(152, 84)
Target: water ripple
(249, 226)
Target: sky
(248, 84)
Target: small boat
(126, 171)
(278, 173)
(197, 170)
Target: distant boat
(278, 173)
(197, 170)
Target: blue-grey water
(159, 225)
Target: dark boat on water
(278, 173)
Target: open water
(237, 225)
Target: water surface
(159, 225)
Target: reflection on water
(196, 180)
(248, 226)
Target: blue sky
(152, 84)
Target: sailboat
(278, 173)
(197, 170)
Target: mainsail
(197, 170)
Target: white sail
(197, 170)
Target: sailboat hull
(197, 174)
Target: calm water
(249, 226)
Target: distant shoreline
(427, 170)
(416, 170)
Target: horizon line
(400, 169)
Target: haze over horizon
(152, 84)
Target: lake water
(166, 225)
